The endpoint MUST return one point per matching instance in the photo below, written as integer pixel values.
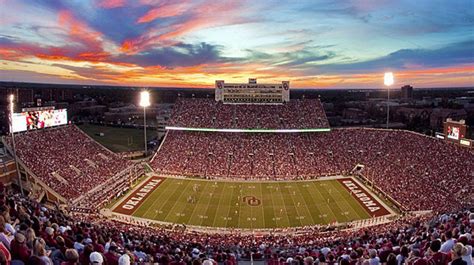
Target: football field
(250, 205)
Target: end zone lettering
(364, 198)
(141, 193)
(134, 200)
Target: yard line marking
(314, 203)
(198, 204)
(305, 204)
(336, 200)
(275, 218)
(161, 200)
(229, 205)
(260, 186)
(156, 200)
(182, 191)
(284, 204)
(288, 187)
(210, 200)
(345, 201)
(324, 203)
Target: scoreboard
(455, 131)
(32, 119)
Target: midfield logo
(252, 200)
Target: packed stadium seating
(207, 113)
(67, 160)
(33, 234)
(420, 172)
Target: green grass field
(117, 139)
(250, 205)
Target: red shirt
(439, 258)
(20, 251)
(5, 252)
(111, 258)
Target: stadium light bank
(145, 102)
(12, 100)
(388, 81)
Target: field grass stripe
(172, 200)
(290, 211)
(279, 197)
(351, 213)
(220, 205)
(211, 210)
(191, 208)
(188, 208)
(231, 207)
(300, 194)
(234, 222)
(228, 205)
(324, 203)
(164, 197)
(339, 212)
(263, 206)
(201, 205)
(336, 198)
(143, 210)
(353, 204)
(269, 196)
(315, 215)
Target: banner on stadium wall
(33, 120)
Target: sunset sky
(314, 43)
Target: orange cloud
(9, 54)
(162, 12)
(201, 16)
(79, 31)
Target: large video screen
(453, 132)
(33, 120)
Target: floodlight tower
(145, 102)
(388, 81)
(11, 99)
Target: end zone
(366, 200)
(138, 196)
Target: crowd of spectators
(67, 160)
(31, 233)
(208, 113)
(422, 173)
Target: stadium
(204, 132)
(250, 175)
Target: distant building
(439, 115)
(354, 114)
(252, 92)
(407, 92)
(409, 114)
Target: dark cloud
(180, 55)
(90, 72)
(456, 53)
(7, 40)
(291, 59)
(31, 76)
